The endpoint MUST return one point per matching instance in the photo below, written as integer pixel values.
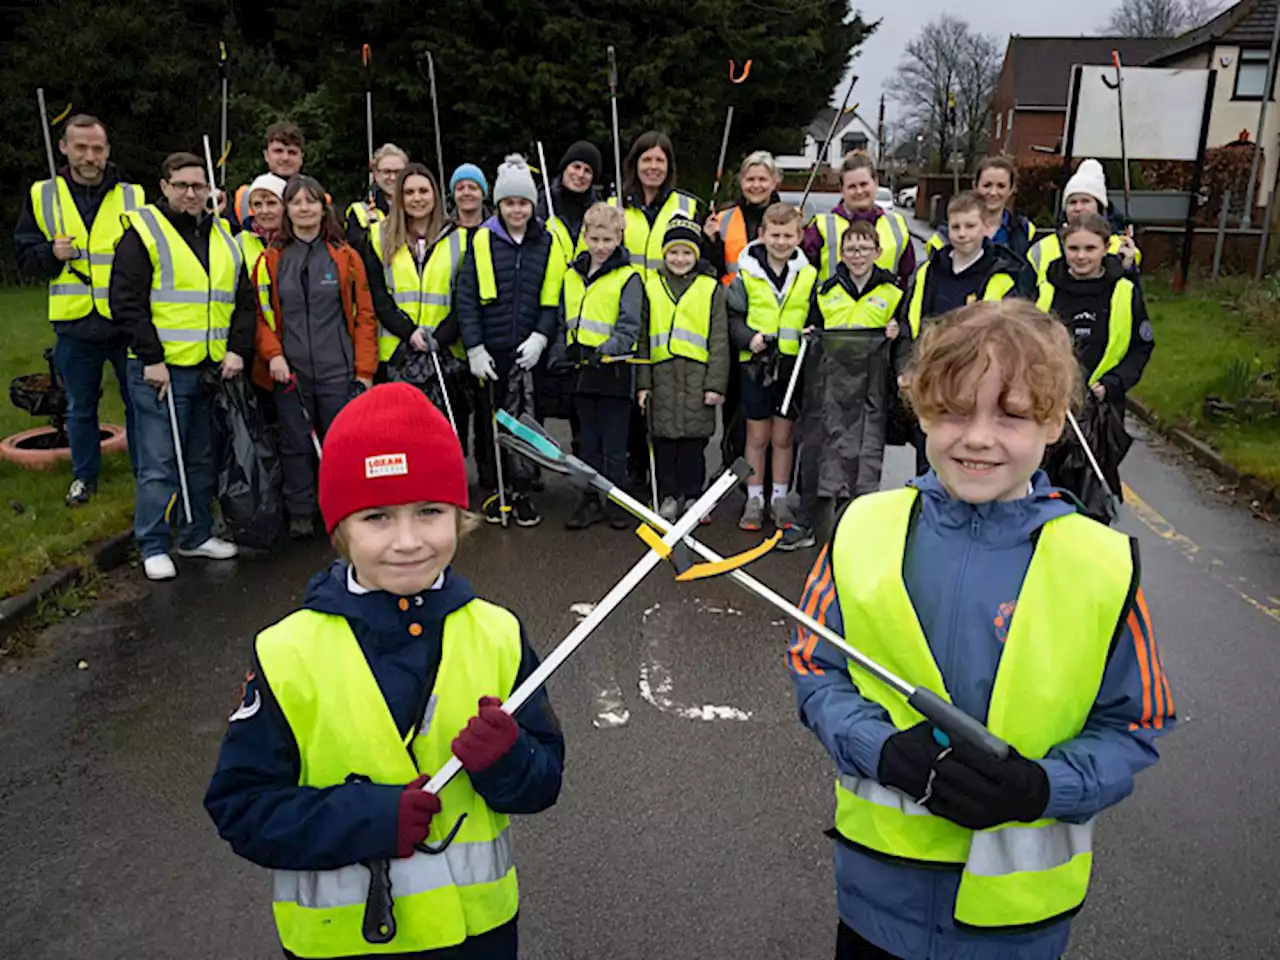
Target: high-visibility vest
(591, 309)
(999, 286)
(1049, 248)
(1050, 672)
(680, 327)
(343, 726)
(1119, 324)
(252, 247)
(365, 214)
(644, 242)
(487, 280)
(70, 298)
(568, 247)
(426, 296)
(894, 238)
(190, 307)
(785, 318)
(733, 233)
(841, 310)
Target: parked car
(907, 197)
(884, 199)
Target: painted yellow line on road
(1163, 529)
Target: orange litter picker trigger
(733, 68)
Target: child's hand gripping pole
(795, 375)
(532, 441)
(379, 925)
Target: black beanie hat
(680, 230)
(584, 151)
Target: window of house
(1251, 74)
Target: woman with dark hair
(317, 338)
(650, 198)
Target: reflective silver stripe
(101, 293)
(899, 238)
(1013, 849)
(180, 296)
(100, 259)
(1035, 256)
(654, 264)
(407, 296)
(786, 334)
(436, 299)
(659, 341)
(883, 796)
(48, 204)
(237, 258)
(164, 255)
(685, 205)
(594, 326)
(222, 296)
(455, 250)
(187, 335)
(70, 288)
(638, 260)
(461, 865)
(832, 242)
(131, 194)
(688, 336)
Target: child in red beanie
(391, 665)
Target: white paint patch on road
(581, 610)
(608, 704)
(656, 683)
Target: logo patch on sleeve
(386, 465)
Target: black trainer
(796, 538)
(525, 512)
(81, 492)
(618, 518)
(585, 513)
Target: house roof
(1249, 23)
(1042, 65)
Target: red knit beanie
(387, 447)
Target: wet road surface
(691, 821)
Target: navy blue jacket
(254, 798)
(519, 269)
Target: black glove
(906, 759)
(978, 791)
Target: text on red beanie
(387, 447)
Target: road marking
(656, 683)
(610, 707)
(1163, 529)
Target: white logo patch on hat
(386, 465)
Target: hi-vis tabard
(1050, 672)
(679, 327)
(343, 726)
(999, 286)
(841, 310)
(569, 249)
(591, 309)
(190, 307)
(733, 233)
(644, 242)
(70, 298)
(487, 280)
(426, 295)
(783, 318)
(894, 238)
(1119, 324)
(365, 214)
(1049, 248)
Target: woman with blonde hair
(729, 231)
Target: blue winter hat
(469, 171)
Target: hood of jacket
(495, 223)
(375, 616)
(754, 257)
(1059, 275)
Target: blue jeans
(159, 493)
(79, 363)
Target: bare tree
(1160, 18)
(948, 60)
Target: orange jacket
(357, 303)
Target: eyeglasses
(196, 188)
(389, 172)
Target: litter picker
(1118, 87)
(60, 227)
(728, 125)
(617, 143)
(822, 151)
(366, 57)
(795, 375)
(530, 440)
(503, 508)
(302, 404)
(648, 435)
(444, 390)
(379, 919)
(435, 118)
(212, 202)
(224, 144)
(177, 452)
(551, 205)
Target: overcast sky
(902, 20)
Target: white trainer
(212, 549)
(159, 567)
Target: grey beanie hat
(514, 180)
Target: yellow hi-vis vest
(487, 280)
(841, 310)
(784, 319)
(1119, 324)
(1050, 672)
(70, 298)
(190, 308)
(426, 296)
(894, 238)
(998, 287)
(569, 249)
(342, 726)
(1049, 248)
(365, 214)
(679, 327)
(591, 309)
(644, 242)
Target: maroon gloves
(417, 807)
(487, 737)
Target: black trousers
(517, 473)
(850, 946)
(311, 404)
(605, 426)
(682, 466)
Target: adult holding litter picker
(66, 235)
(173, 291)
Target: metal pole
(1221, 240)
(59, 228)
(503, 509)
(1266, 233)
(826, 144)
(444, 392)
(551, 206)
(366, 57)
(213, 184)
(435, 116)
(724, 149)
(795, 375)
(1246, 220)
(1124, 148)
(617, 143)
(177, 452)
(224, 146)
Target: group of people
(640, 317)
